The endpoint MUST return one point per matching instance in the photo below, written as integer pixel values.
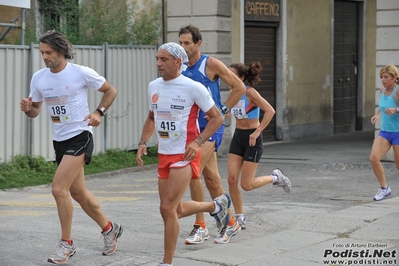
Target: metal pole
(23, 26)
(30, 144)
(9, 25)
(12, 25)
(106, 50)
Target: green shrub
(27, 170)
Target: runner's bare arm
(148, 130)
(31, 109)
(237, 87)
(109, 95)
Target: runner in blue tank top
(197, 72)
(389, 132)
(208, 71)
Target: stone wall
(214, 20)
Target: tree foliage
(93, 22)
(146, 23)
(104, 21)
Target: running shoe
(282, 181)
(382, 193)
(62, 253)
(197, 236)
(111, 238)
(222, 217)
(242, 220)
(227, 232)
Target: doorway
(260, 44)
(346, 31)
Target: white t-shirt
(65, 94)
(176, 104)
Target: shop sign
(262, 10)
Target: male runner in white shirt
(64, 86)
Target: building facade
(320, 58)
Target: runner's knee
(212, 183)
(247, 186)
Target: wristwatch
(224, 109)
(101, 110)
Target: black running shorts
(240, 145)
(82, 143)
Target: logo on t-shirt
(178, 99)
(155, 98)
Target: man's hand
(94, 118)
(191, 151)
(26, 104)
(141, 150)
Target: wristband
(224, 109)
(196, 140)
(101, 110)
(142, 142)
(203, 141)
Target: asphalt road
(328, 174)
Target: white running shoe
(63, 252)
(111, 238)
(242, 220)
(282, 180)
(382, 193)
(227, 233)
(222, 217)
(197, 236)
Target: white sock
(217, 208)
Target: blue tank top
(389, 123)
(197, 72)
(244, 109)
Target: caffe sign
(262, 10)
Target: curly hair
(58, 42)
(250, 73)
